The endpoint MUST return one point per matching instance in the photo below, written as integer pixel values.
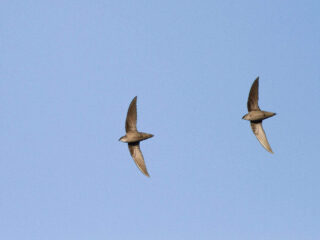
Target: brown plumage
(133, 137)
(256, 116)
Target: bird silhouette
(256, 116)
(133, 137)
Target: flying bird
(256, 116)
(133, 137)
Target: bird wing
(137, 156)
(131, 121)
(261, 135)
(253, 98)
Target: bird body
(135, 137)
(258, 115)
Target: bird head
(245, 117)
(123, 139)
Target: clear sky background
(68, 71)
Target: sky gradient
(68, 71)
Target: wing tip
(134, 100)
(144, 171)
(268, 148)
(270, 151)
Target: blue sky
(68, 71)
